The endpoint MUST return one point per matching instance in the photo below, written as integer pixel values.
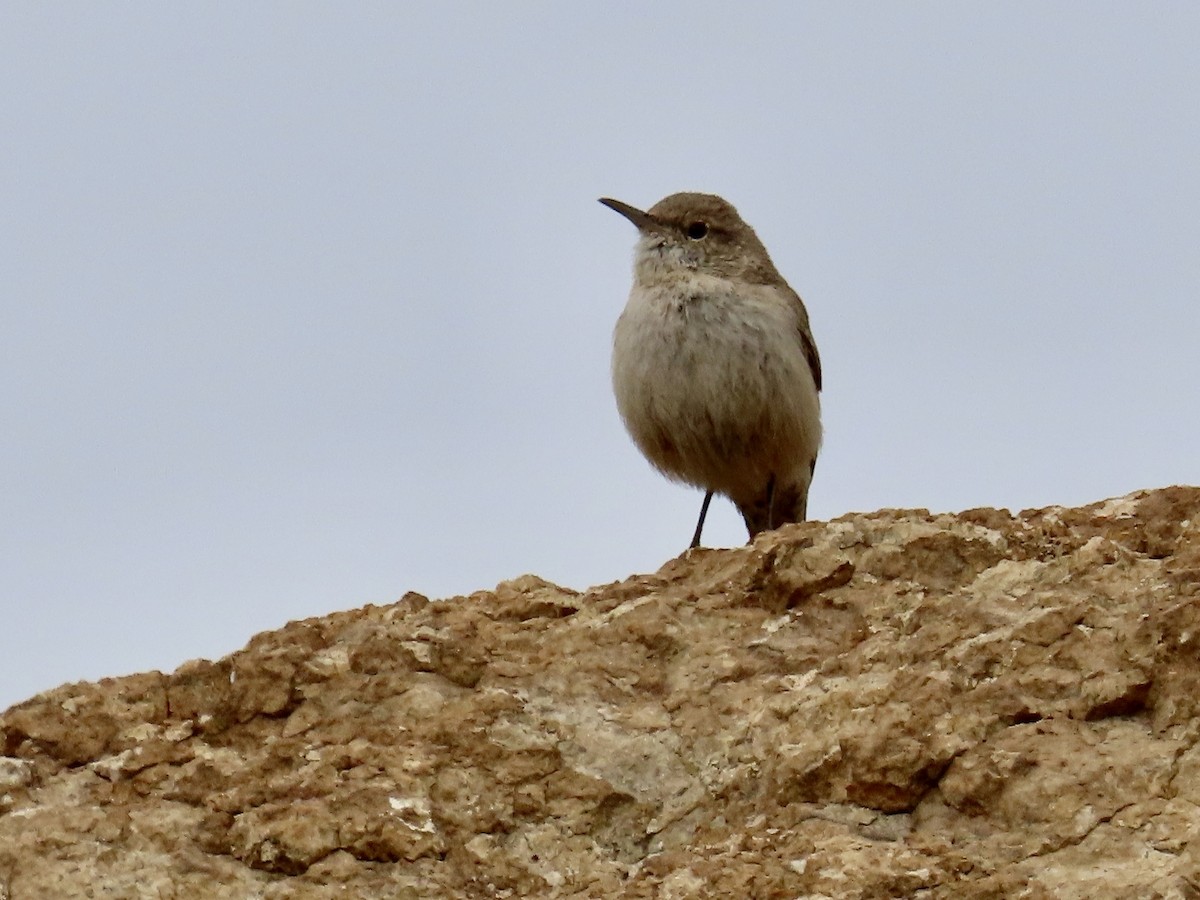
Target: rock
(896, 704)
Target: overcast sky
(308, 305)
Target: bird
(715, 371)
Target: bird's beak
(643, 221)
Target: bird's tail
(778, 504)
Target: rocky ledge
(894, 704)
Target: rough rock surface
(888, 705)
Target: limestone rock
(895, 704)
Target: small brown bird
(714, 366)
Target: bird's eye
(697, 231)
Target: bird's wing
(806, 339)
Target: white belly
(714, 388)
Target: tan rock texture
(896, 704)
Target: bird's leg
(700, 525)
(771, 502)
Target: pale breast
(713, 384)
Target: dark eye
(697, 231)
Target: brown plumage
(715, 370)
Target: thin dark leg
(700, 524)
(771, 502)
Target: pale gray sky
(308, 305)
